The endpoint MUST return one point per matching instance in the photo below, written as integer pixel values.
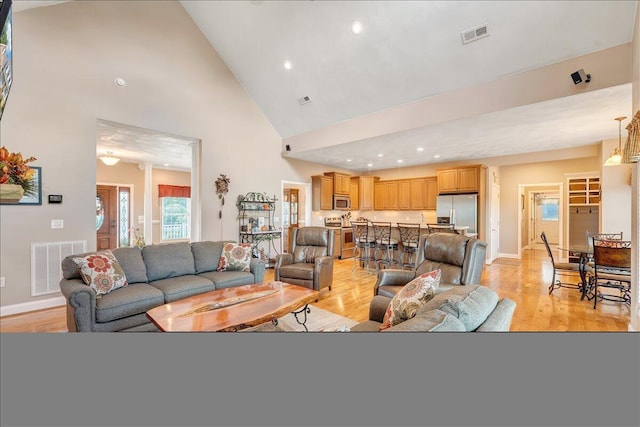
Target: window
(176, 211)
(549, 209)
(176, 218)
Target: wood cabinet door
(468, 179)
(354, 194)
(366, 193)
(391, 196)
(447, 180)
(341, 184)
(404, 194)
(321, 192)
(418, 193)
(431, 193)
(379, 196)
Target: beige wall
(635, 189)
(176, 83)
(511, 177)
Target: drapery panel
(174, 191)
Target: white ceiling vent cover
(475, 33)
(304, 100)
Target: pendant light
(109, 159)
(615, 158)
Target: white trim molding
(8, 310)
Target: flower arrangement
(138, 237)
(14, 170)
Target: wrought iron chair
(385, 245)
(364, 243)
(409, 238)
(612, 269)
(562, 270)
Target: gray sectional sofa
(470, 308)
(156, 274)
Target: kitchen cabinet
(362, 192)
(465, 179)
(321, 192)
(432, 193)
(386, 195)
(354, 193)
(404, 194)
(423, 193)
(341, 183)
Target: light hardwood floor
(525, 281)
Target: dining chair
(364, 243)
(409, 238)
(562, 270)
(385, 245)
(612, 270)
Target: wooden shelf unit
(584, 191)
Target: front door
(106, 217)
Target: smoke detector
(304, 100)
(475, 33)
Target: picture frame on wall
(35, 199)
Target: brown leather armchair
(460, 258)
(310, 262)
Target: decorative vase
(11, 193)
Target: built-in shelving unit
(584, 191)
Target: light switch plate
(57, 224)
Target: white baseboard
(25, 307)
(503, 255)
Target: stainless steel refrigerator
(459, 209)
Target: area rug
(318, 320)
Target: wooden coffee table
(234, 308)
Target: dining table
(584, 254)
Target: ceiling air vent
(304, 100)
(475, 33)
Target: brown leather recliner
(460, 259)
(310, 262)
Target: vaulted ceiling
(411, 52)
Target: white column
(196, 207)
(148, 203)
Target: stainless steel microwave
(341, 202)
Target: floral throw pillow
(405, 304)
(235, 257)
(101, 271)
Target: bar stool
(364, 243)
(409, 237)
(385, 245)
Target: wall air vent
(304, 100)
(475, 33)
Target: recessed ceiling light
(370, 164)
(166, 164)
(120, 82)
(287, 64)
(348, 160)
(400, 160)
(437, 156)
(380, 155)
(356, 27)
(419, 149)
